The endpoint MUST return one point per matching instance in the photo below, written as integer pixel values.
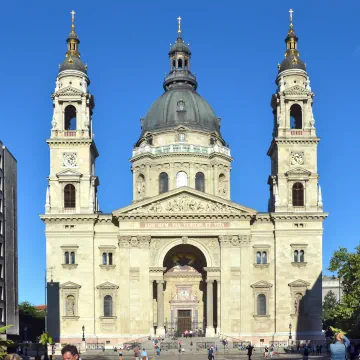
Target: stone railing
(181, 148)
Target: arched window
(163, 183)
(174, 64)
(264, 257)
(200, 181)
(181, 179)
(72, 258)
(180, 64)
(67, 258)
(302, 256)
(186, 64)
(261, 304)
(296, 256)
(107, 306)
(258, 257)
(296, 117)
(298, 194)
(69, 196)
(70, 118)
(110, 259)
(104, 258)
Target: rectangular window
(1, 209)
(1, 249)
(1, 293)
(1, 314)
(1, 272)
(1, 228)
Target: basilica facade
(183, 255)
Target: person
(338, 349)
(250, 349)
(266, 352)
(120, 355)
(352, 351)
(69, 352)
(12, 357)
(306, 353)
(320, 348)
(158, 352)
(144, 354)
(210, 355)
(190, 334)
(271, 350)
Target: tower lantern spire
(179, 25)
(73, 40)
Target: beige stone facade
(183, 255)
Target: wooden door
(184, 321)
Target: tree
(346, 314)
(46, 339)
(4, 343)
(329, 304)
(26, 308)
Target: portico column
(209, 309)
(151, 307)
(160, 308)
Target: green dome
(180, 106)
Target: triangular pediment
(296, 90)
(69, 172)
(298, 171)
(261, 284)
(299, 283)
(185, 200)
(70, 285)
(107, 285)
(69, 91)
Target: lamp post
(83, 330)
(290, 337)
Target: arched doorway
(186, 298)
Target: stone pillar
(160, 308)
(151, 291)
(209, 309)
(218, 307)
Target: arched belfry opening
(296, 117)
(70, 118)
(185, 300)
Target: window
(1, 249)
(186, 64)
(264, 257)
(295, 117)
(1, 228)
(200, 181)
(181, 179)
(67, 258)
(298, 194)
(1, 293)
(258, 257)
(261, 257)
(107, 306)
(1, 314)
(174, 64)
(163, 183)
(296, 256)
(302, 255)
(1, 271)
(180, 64)
(104, 258)
(110, 259)
(69, 196)
(70, 118)
(72, 258)
(261, 304)
(1, 205)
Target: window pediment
(295, 173)
(299, 283)
(107, 286)
(69, 91)
(261, 285)
(296, 91)
(69, 175)
(70, 285)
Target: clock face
(297, 159)
(70, 160)
(184, 293)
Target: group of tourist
(212, 350)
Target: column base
(210, 331)
(218, 331)
(83, 346)
(152, 331)
(160, 331)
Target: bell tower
(72, 181)
(294, 175)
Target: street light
(83, 330)
(290, 337)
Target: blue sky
(236, 46)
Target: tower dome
(180, 104)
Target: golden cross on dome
(72, 16)
(179, 24)
(291, 14)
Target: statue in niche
(70, 305)
(140, 186)
(298, 298)
(57, 84)
(84, 85)
(222, 185)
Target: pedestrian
(190, 333)
(144, 355)
(120, 355)
(213, 353)
(210, 355)
(158, 352)
(266, 352)
(250, 350)
(320, 348)
(306, 353)
(271, 350)
(352, 351)
(69, 352)
(338, 349)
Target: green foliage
(346, 315)
(28, 309)
(3, 342)
(329, 305)
(45, 339)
